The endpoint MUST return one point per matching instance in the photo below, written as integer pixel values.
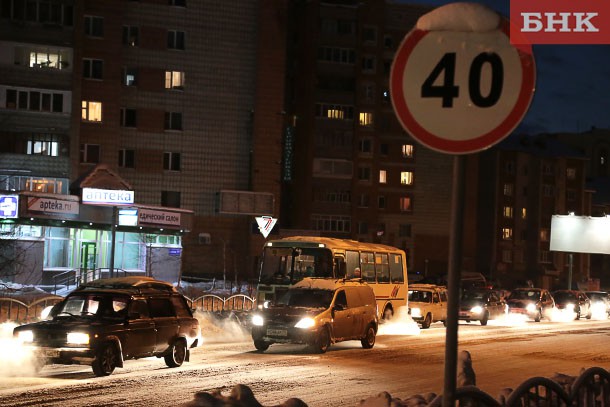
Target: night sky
(572, 83)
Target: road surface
(403, 365)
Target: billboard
(580, 234)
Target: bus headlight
(257, 320)
(305, 323)
(25, 336)
(415, 312)
(477, 309)
(570, 307)
(78, 338)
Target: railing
(75, 277)
(215, 303)
(14, 310)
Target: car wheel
(105, 360)
(177, 354)
(589, 315)
(261, 345)
(485, 318)
(322, 342)
(427, 321)
(368, 341)
(388, 313)
(577, 314)
(538, 316)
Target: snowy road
(403, 365)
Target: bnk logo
(560, 21)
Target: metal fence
(18, 311)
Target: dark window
(175, 39)
(177, 3)
(171, 199)
(173, 121)
(34, 100)
(58, 102)
(94, 26)
(11, 99)
(180, 307)
(131, 36)
(23, 100)
(171, 161)
(128, 117)
(161, 307)
(139, 307)
(127, 158)
(90, 153)
(93, 68)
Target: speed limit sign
(460, 92)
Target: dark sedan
(481, 305)
(573, 301)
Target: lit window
(508, 189)
(91, 111)
(382, 176)
(174, 80)
(129, 76)
(571, 173)
(507, 233)
(523, 213)
(406, 204)
(406, 177)
(508, 211)
(366, 118)
(407, 150)
(544, 235)
(335, 114)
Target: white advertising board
(580, 234)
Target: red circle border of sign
(482, 142)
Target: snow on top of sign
(469, 17)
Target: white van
(318, 312)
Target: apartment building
(179, 100)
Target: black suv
(107, 321)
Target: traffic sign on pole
(460, 92)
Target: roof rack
(132, 282)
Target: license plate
(277, 332)
(51, 353)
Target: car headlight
(477, 309)
(531, 307)
(257, 320)
(78, 338)
(416, 312)
(305, 323)
(570, 307)
(25, 336)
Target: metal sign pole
(453, 279)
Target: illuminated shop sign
(51, 205)
(9, 206)
(107, 196)
(152, 217)
(128, 217)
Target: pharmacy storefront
(51, 239)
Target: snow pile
(468, 17)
